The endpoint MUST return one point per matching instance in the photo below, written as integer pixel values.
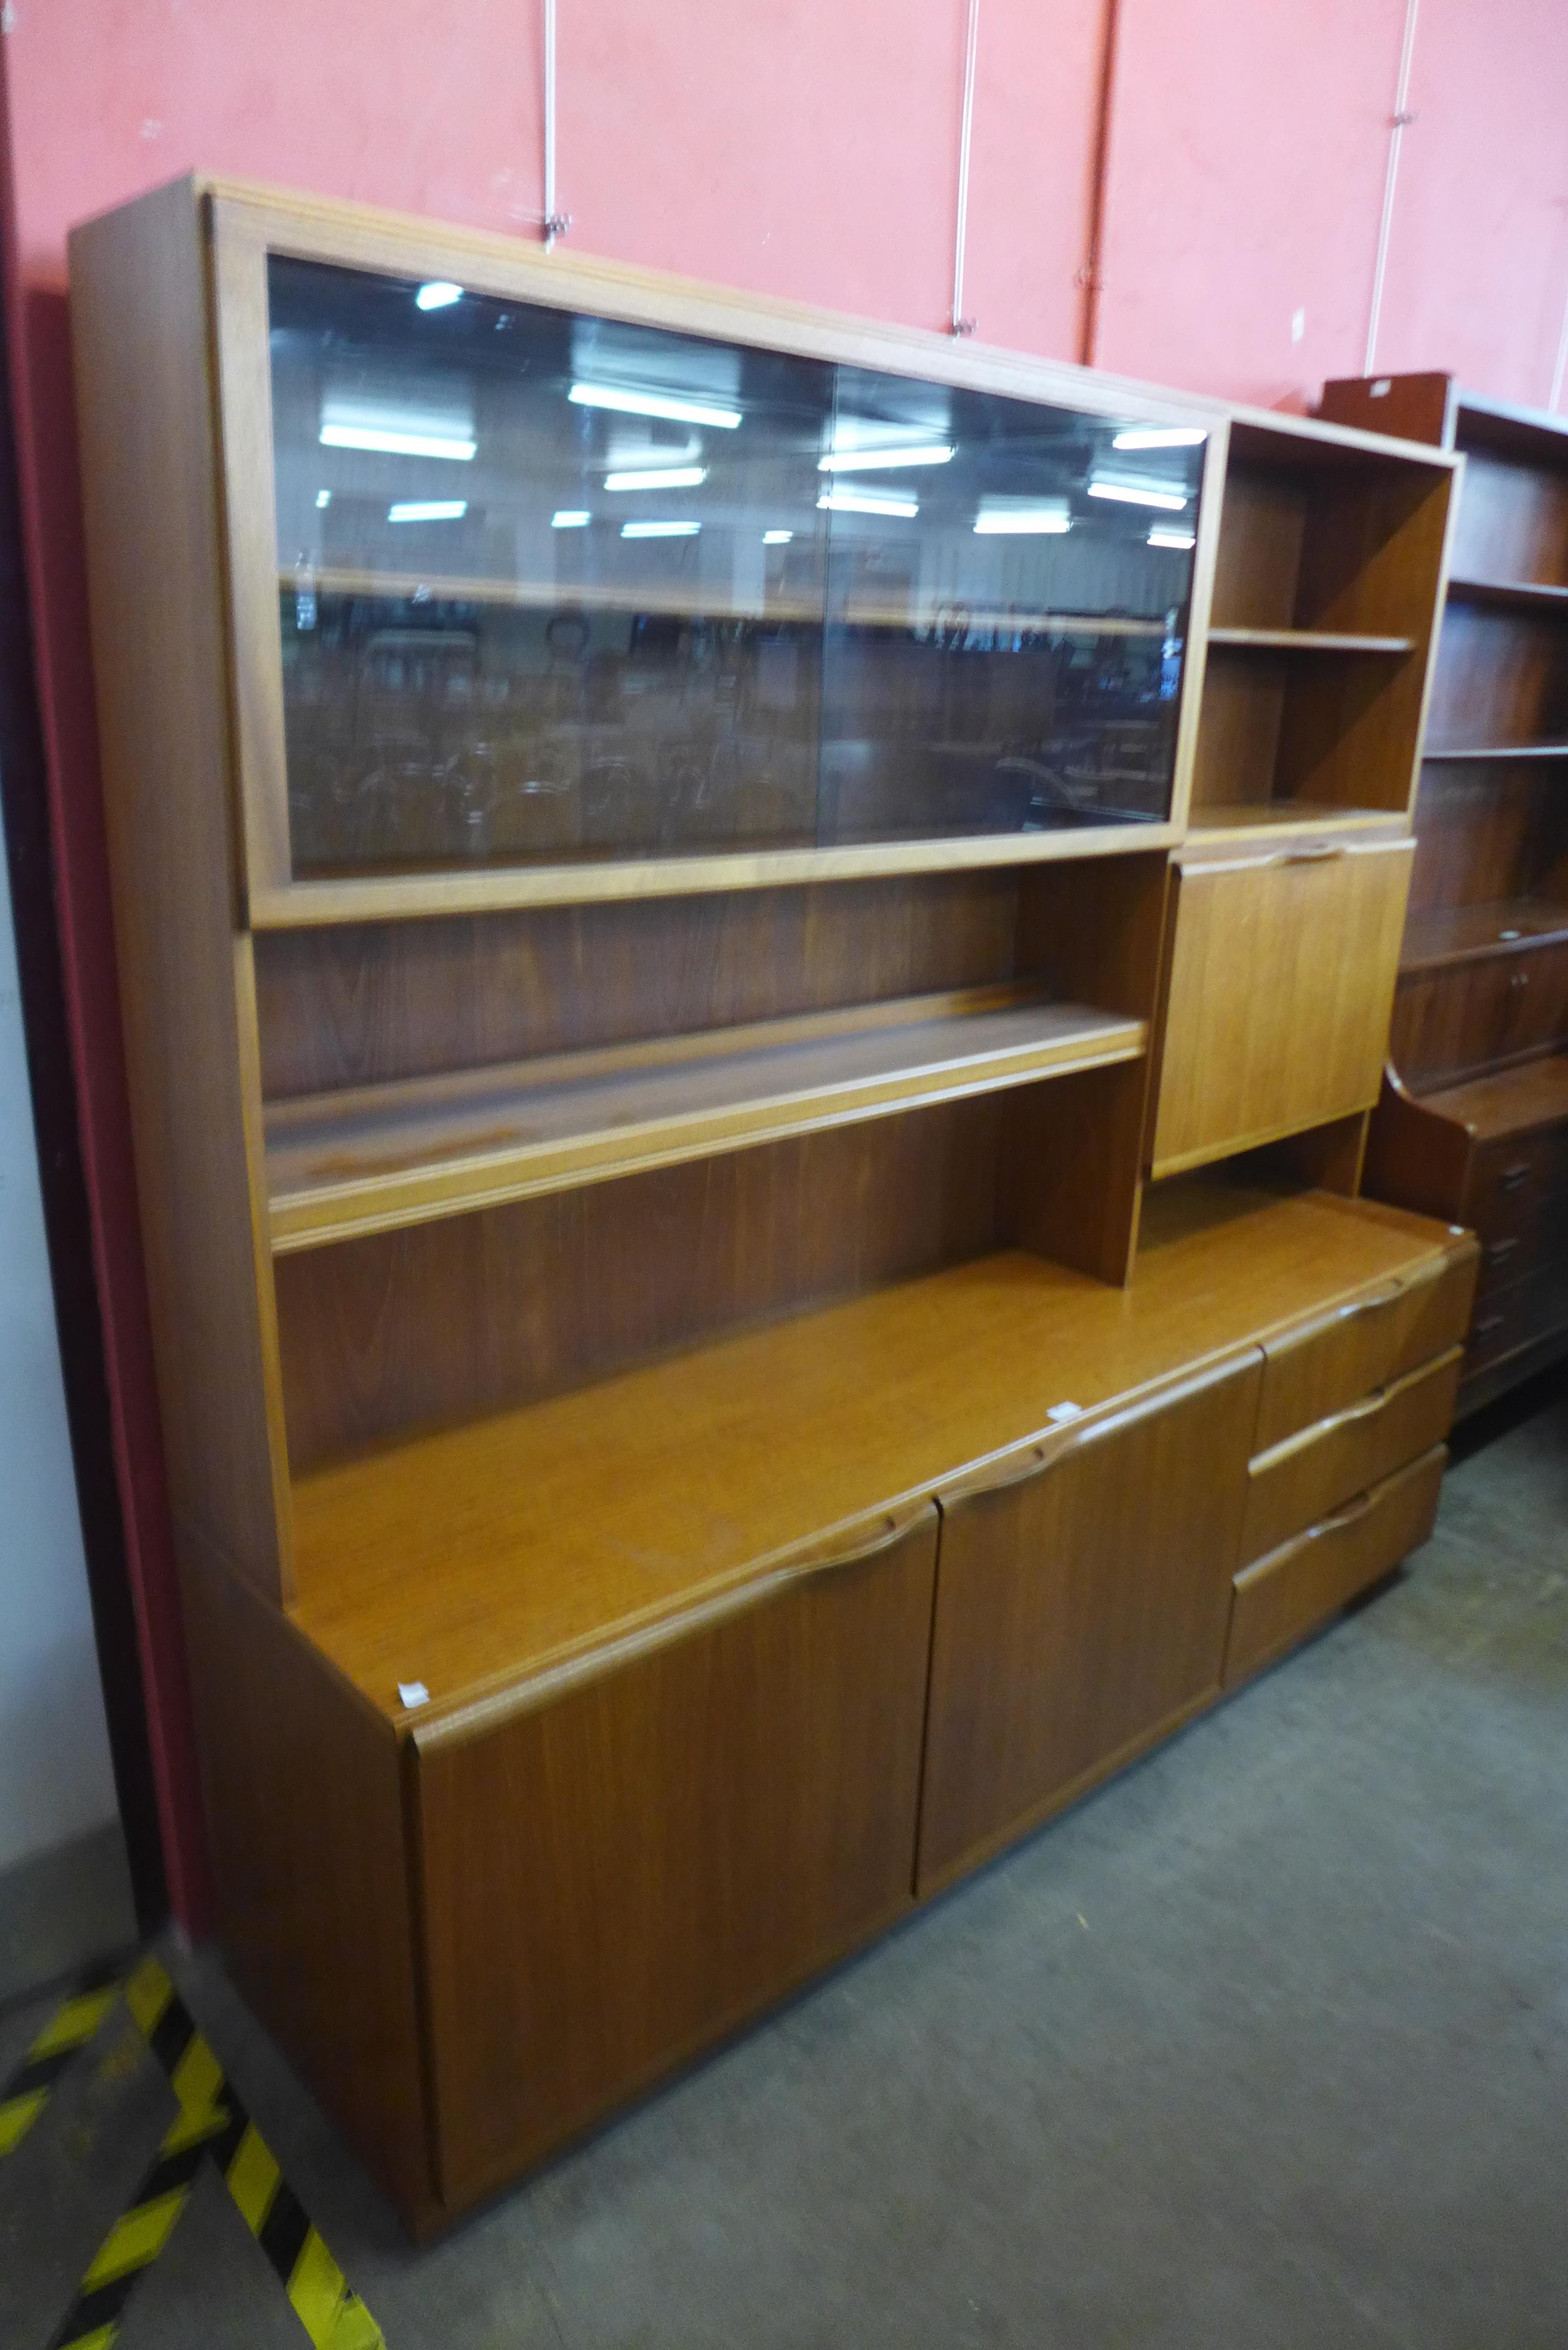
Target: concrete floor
(1266, 2044)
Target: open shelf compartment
(364, 1161)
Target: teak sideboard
(756, 950)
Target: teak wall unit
(719, 1357)
(1474, 1120)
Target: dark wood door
(1082, 1593)
(621, 1872)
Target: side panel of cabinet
(1082, 1604)
(303, 1790)
(1280, 983)
(626, 1870)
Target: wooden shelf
(1511, 1101)
(348, 1163)
(1510, 594)
(1497, 751)
(1306, 640)
(689, 600)
(1465, 933)
(1242, 816)
(471, 1559)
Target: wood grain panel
(1263, 526)
(370, 1002)
(1276, 1013)
(1238, 732)
(303, 1798)
(1513, 518)
(148, 459)
(1485, 833)
(1502, 678)
(620, 1873)
(1283, 1597)
(1329, 1362)
(1072, 1620)
(445, 1321)
(651, 1490)
(1310, 1474)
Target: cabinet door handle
(1498, 1250)
(1513, 1178)
(1321, 853)
(1347, 1515)
(1484, 1327)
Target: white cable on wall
(960, 324)
(1402, 119)
(555, 222)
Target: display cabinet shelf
(379, 1156)
(687, 602)
(648, 1492)
(1455, 934)
(1510, 594)
(1306, 640)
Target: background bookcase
(713, 1373)
(1475, 1122)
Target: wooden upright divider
(711, 895)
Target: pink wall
(807, 149)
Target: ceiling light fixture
(570, 518)
(865, 460)
(853, 501)
(1140, 494)
(440, 294)
(658, 477)
(653, 403)
(1160, 436)
(660, 529)
(395, 444)
(428, 510)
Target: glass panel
(1007, 600)
(554, 588)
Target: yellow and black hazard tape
(24, 2096)
(211, 2123)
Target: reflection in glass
(556, 587)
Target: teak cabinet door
(1083, 1596)
(624, 1871)
(1279, 988)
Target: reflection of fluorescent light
(658, 477)
(1140, 494)
(438, 294)
(429, 510)
(1160, 436)
(571, 518)
(1029, 518)
(653, 403)
(1182, 538)
(777, 537)
(323, 498)
(852, 502)
(395, 444)
(660, 529)
(864, 460)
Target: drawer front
(1516, 1313)
(1310, 1474)
(1277, 1002)
(1076, 1616)
(1288, 1594)
(1519, 1189)
(625, 1869)
(1317, 1368)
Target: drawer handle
(1513, 1178)
(1348, 1514)
(1498, 1250)
(1486, 1324)
(1320, 853)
